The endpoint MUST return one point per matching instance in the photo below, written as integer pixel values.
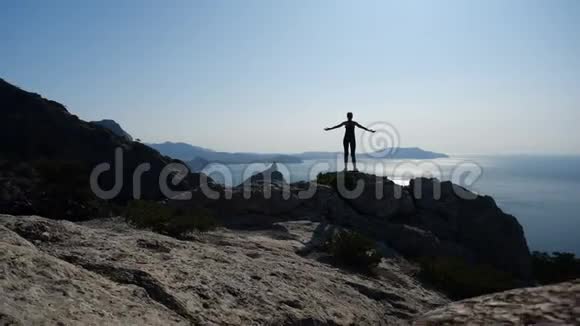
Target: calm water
(543, 192)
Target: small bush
(147, 214)
(555, 268)
(354, 250)
(460, 280)
(185, 222)
(348, 179)
(163, 219)
(328, 179)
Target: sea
(542, 192)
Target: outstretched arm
(363, 127)
(337, 126)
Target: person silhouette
(349, 139)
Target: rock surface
(105, 272)
(546, 305)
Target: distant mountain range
(187, 152)
(197, 156)
(401, 153)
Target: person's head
(349, 116)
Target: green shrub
(185, 222)
(460, 280)
(354, 250)
(333, 179)
(555, 268)
(328, 179)
(164, 219)
(147, 214)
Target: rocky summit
(113, 126)
(458, 224)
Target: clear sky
(489, 76)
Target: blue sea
(543, 192)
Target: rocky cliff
(457, 224)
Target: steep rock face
(455, 214)
(105, 272)
(557, 304)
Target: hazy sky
(452, 76)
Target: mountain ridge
(115, 127)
